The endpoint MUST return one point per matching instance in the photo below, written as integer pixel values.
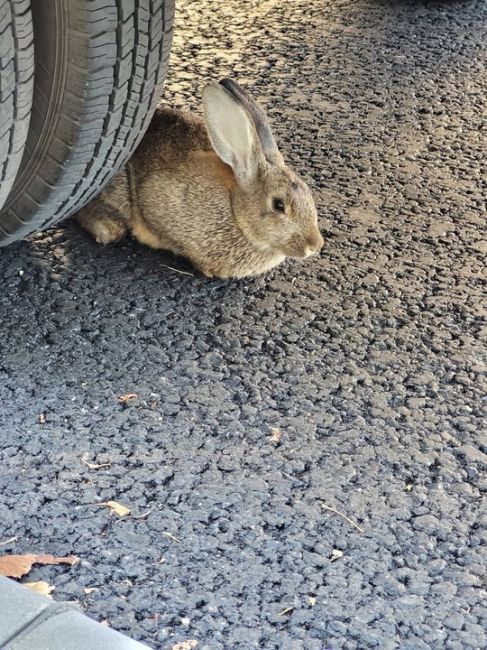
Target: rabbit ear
(232, 132)
(261, 123)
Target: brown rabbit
(219, 194)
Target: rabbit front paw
(108, 231)
(104, 229)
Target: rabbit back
(172, 135)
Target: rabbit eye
(278, 205)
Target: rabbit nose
(314, 244)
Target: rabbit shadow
(59, 265)
(74, 313)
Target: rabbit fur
(216, 191)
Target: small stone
(411, 600)
(428, 523)
(436, 566)
(473, 455)
(370, 280)
(455, 621)
(445, 589)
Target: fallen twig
(341, 514)
(94, 465)
(286, 610)
(9, 541)
(171, 268)
(144, 515)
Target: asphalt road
(370, 360)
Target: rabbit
(216, 191)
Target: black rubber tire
(99, 70)
(16, 85)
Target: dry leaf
(46, 558)
(127, 397)
(95, 465)
(90, 590)
(336, 555)
(40, 587)
(409, 487)
(276, 435)
(117, 508)
(16, 566)
(185, 645)
(41, 418)
(311, 601)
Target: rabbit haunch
(216, 191)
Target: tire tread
(16, 87)
(106, 108)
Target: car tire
(16, 84)
(99, 70)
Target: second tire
(99, 70)
(16, 84)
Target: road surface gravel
(363, 526)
